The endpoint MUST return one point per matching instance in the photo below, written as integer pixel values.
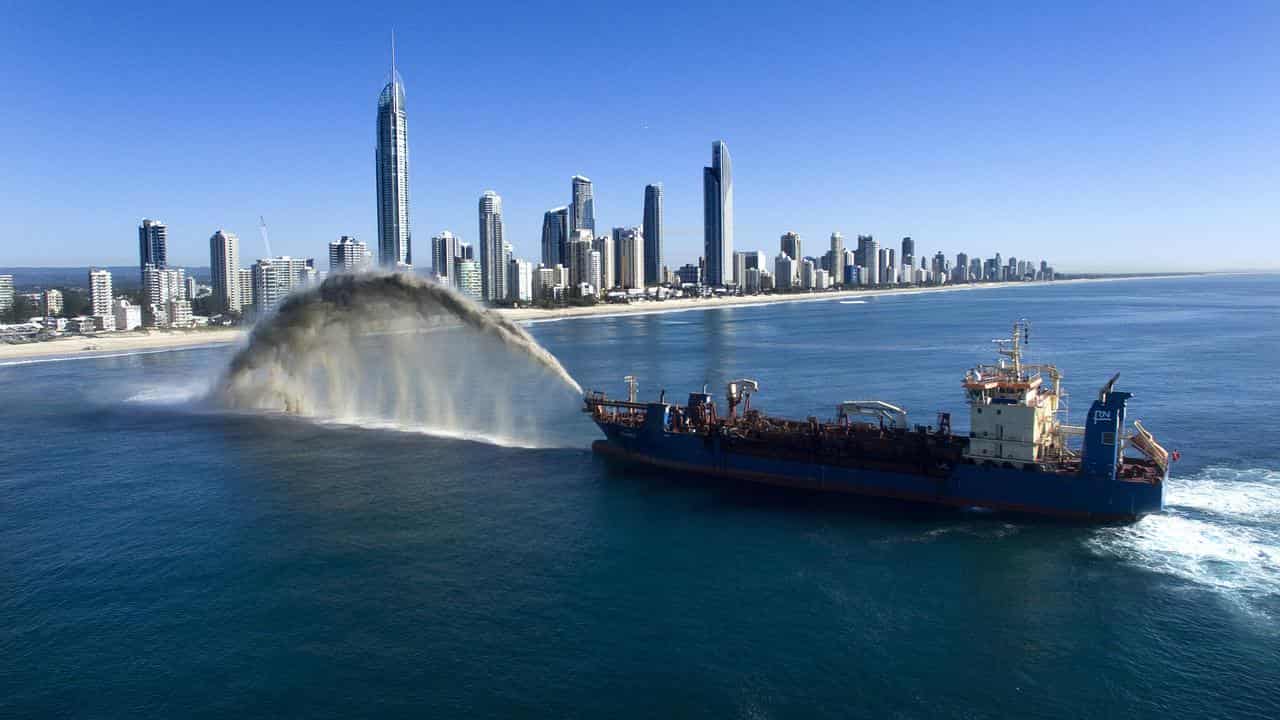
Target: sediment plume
(389, 346)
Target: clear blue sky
(1109, 136)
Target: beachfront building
(652, 230)
(493, 269)
(519, 280)
(717, 217)
(784, 271)
(274, 278)
(153, 244)
(582, 210)
(395, 241)
(346, 254)
(6, 293)
(51, 301)
(224, 270)
(126, 315)
(468, 278)
(631, 257)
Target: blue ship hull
(964, 485)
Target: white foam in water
(170, 394)
(1225, 491)
(1218, 530)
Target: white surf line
(713, 304)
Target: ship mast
(1012, 348)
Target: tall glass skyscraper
(717, 204)
(653, 234)
(392, 158)
(493, 269)
(582, 214)
(555, 237)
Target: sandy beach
(685, 304)
(136, 342)
(110, 344)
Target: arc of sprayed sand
(295, 327)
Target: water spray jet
(390, 346)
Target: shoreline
(110, 345)
(652, 307)
(137, 343)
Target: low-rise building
(127, 316)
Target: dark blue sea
(162, 558)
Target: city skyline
(973, 158)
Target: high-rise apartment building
(6, 293)
(493, 270)
(807, 270)
(467, 278)
(245, 276)
(395, 241)
(717, 220)
(790, 245)
(555, 236)
(871, 254)
(445, 248)
(519, 280)
(908, 252)
(100, 293)
(580, 249)
(784, 271)
(582, 210)
(224, 269)
(274, 278)
(160, 285)
(835, 259)
(607, 246)
(346, 254)
(153, 244)
(631, 257)
(652, 230)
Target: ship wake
(390, 350)
(1220, 529)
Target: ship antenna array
(1012, 347)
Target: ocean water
(159, 557)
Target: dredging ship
(1019, 454)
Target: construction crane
(262, 230)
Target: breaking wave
(1220, 529)
(393, 350)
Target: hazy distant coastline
(113, 344)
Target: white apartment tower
(100, 292)
(631, 257)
